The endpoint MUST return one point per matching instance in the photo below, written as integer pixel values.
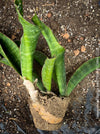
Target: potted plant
(46, 107)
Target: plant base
(48, 111)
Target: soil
(48, 110)
(76, 25)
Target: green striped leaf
(35, 76)
(47, 71)
(10, 51)
(81, 73)
(5, 61)
(56, 51)
(55, 47)
(19, 5)
(2, 52)
(28, 44)
(61, 73)
(40, 58)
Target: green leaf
(2, 52)
(19, 5)
(28, 44)
(10, 51)
(35, 76)
(55, 47)
(40, 57)
(4, 61)
(81, 73)
(61, 73)
(47, 71)
(56, 51)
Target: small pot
(48, 112)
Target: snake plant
(21, 57)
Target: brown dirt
(81, 21)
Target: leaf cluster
(21, 54)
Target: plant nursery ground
(76, 25)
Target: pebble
(66, 35)
(49, 15)
(83, 49)
(67, 50)
(8, 84)
(76, 52)
(31, 10)
(69, 40)
(81, 38)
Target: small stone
(49, 15)
(76, 52)
(82, 38)
(65, 36)
(69, 40)
(8, 84)
(2, 65)
(31, 10)
(67, 50)
(83, 49)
